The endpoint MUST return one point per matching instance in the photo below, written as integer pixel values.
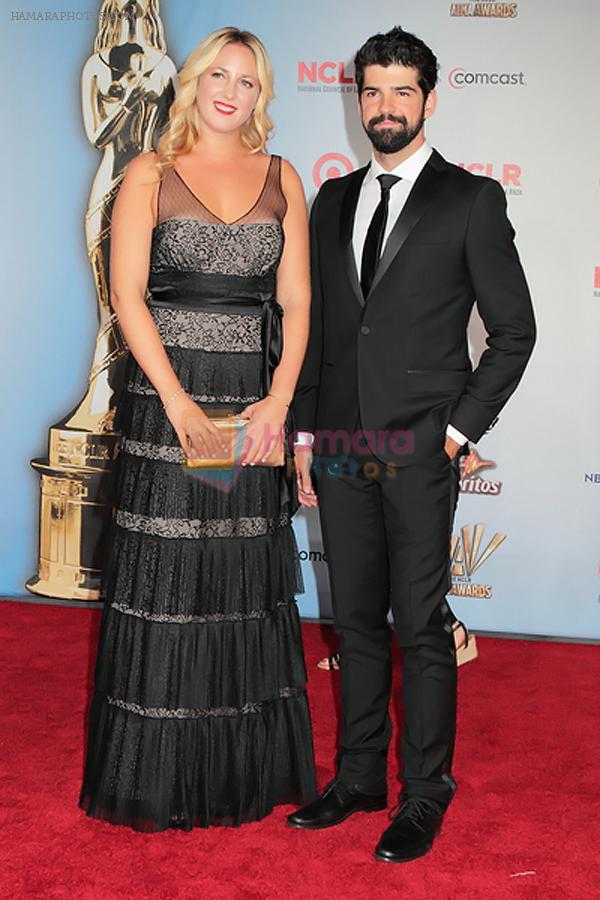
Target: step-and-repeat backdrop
(517, 102)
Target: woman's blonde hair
(181, 132)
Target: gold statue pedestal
(76, 507)
(76, 512)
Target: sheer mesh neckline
(239, 218)
(177, 201)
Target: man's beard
(391, 140)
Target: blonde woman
(199, 714)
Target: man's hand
(303, 458)
(451, 447)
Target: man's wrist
(304, 439)
(456, 435)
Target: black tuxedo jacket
(397, 361)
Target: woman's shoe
(466, 645)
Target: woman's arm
(293, 286)
(293, 294)
(131, 237)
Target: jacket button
(364, 329)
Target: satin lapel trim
(347, 215)
(418, 200)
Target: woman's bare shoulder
(291, 182)
(142, 169)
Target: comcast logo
(460, 78)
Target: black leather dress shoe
(412, 832)
(337, 803)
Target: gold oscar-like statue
(127, 87)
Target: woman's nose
(229, 87)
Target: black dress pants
(386, 532)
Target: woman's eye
(217, 74)
(247, 84)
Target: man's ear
(430, 104)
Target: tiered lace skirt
(199, 714)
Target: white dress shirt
(368, 200)
(370, 195)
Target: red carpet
(524, 822)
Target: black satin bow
(197, 290)
(271, 338)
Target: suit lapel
(347, 214)
(423, 192)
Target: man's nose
(386, 106)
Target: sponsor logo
(324, 77)
(331, 165)
(591, 477)
(470, 481)
(508, 174)
(468, 553)
(460, 78)
(597, 281)
(485, 10)
(312, 556)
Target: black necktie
(374, 239)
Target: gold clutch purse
(233, 431)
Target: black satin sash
(226, 293)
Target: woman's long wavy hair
(182, 130)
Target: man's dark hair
(397, 47)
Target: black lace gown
(199, 714)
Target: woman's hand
(303, 457)
(197, 434)
(265, 429)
